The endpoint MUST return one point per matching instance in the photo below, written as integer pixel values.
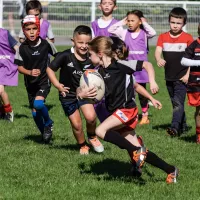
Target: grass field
(31, 170)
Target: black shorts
(39, 91)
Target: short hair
(178, 12)
(82, 29)
(34, 4)
(114, 1)
(198, 29)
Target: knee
(1, 90)
(38, 104)
(91, 120)
(100, 132)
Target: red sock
(7, 108)
(198, 130)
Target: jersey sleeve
(11, 40)
(52, 48)
(189, 51)
(50, 34)
(149, 30)
(21, 34)
(129, 67)
(190, 40)
(18, 59)
(160, 41)
(57, 62)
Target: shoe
(171, 178)
(47, 135)
(135, 171)
(139, 156)
(2, 115)
(198, 138)
(172, 131)
(9, 116)
(144, 120)
(84, 150)
(96, 144)
(185, 129)
(140, 140)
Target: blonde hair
(101, 44)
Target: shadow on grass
(161, 126)
(72, 147)
(110, 169)
(34, 138)
(49, 106)
(18, 116)
(190, 139)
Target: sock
(197, 130)
(115, 138)
(91, 135)
(38, 121)
(154, 160)
(7, 108)
(82, 144)
(45, 115)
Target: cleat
(2, 115)
(140, 140)
(84, 150)
(172, 131)
(96, 144)
(139, 156)
(136, 172)
(144, 120)
(9, 116)
(47, 135)
(171, 178)
(198, 138)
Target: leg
(197, 121)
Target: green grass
(31, 170)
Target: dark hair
(178, 12)
(138, 13)
(33, 5)
(198, 29)
(114, 1)
(119, 47)
(82, 29)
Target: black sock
(115, 138)
(82, 144)
(154, 160)
(91, 135)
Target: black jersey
(119, 85)
(71, 70)
(35, 57)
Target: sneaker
(84, 150)
(150, 103)
(96, 144)
(9, 116)
(136, 171)
(2, 115)
(172, 131)
(47, 135)
(140, 140)
(198, 138)
(139, 156)
(144, 120)
(185, 129)
(171, 178)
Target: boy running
(32, 60)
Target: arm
(160, 61)
(141, 90)
(33, 72)
(60, 87)
(85, 92)
(185, 78)
(148, 29)
(117, 29)
(50, 34)
(190, 62)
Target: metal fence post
(1, 13)
(93, 8)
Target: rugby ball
(91, 78)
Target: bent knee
(38, 104)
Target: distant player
(72, 63)
(101, 25)
(172, 45)
(136, 39)
(191, 58)
(32, 60)
(8, 72)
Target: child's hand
(124, 21)
(85, 92)
(161, 63)
(63, 90)
(143, 19)
(154, 87)
(156, 103)
(185, 78)
(35, 72)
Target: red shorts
(128, 116)
(194, 99)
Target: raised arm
(148, 29)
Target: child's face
(30, 31)
(107, 7)
(133, 22)
(176, 25)
(95, 59)
(80, 43)
(35, 12)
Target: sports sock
(45, 115)
(115, 138)
(38, 121)
(154, 160)
(91, 135)
(7, 108)
(82, 144)
(197, 130)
